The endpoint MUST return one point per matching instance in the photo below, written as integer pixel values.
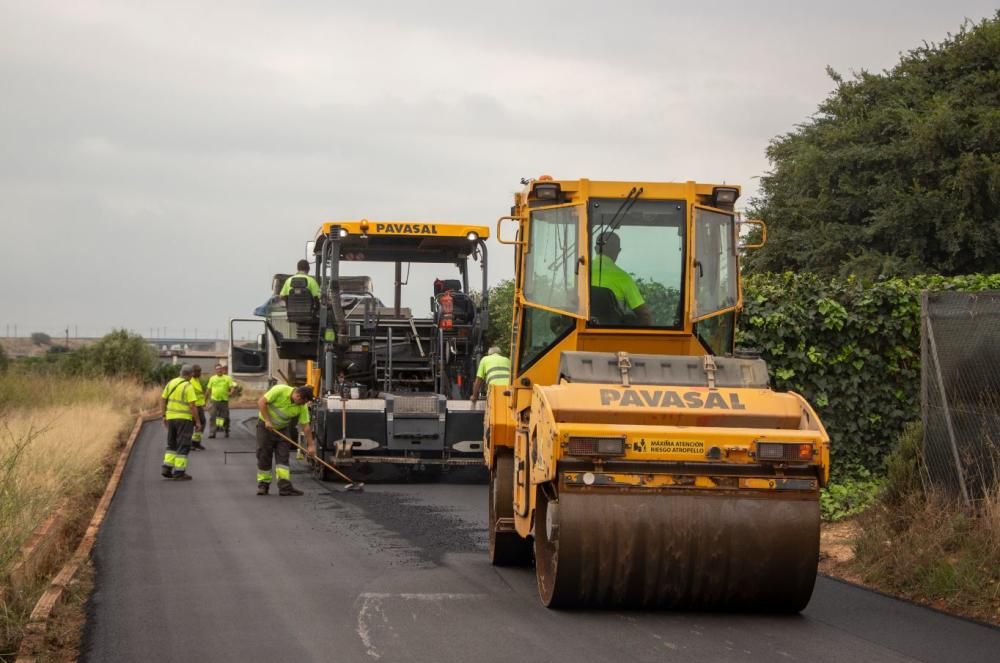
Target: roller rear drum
(711, 552)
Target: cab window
(636, 263)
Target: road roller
(637, 459)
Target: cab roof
(407, 241)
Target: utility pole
(67, 337)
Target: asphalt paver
(206, 570)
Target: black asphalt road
(207, 571)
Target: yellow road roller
(636, 459)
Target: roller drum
(701, 551)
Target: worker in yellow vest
(494, 368)
(180, 418)
(199, 393)
(221, 388)
(279, 410)
(303, 272)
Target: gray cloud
(159, 161)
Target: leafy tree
(501, 308)
(119, 354)
(898, 173)
(41, 338)
(4, 361)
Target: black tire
(506, 548)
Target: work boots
(263, 487)
(288, 490)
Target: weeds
(927, 546)
(849, 497)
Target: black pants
(271, 448)
(219, 409)
(196, 436)
(178, 445)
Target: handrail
(763, 232)
(501, 239)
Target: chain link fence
(960, 391)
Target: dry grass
(23, 391)
(47, 454)
(58, 438)
(934, 551)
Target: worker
(303, 272)
(199, 393)
(605, 273)
(180, 418)
(221, 387)
(278, 412)
(494, 368)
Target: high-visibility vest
(179, 395)
(281, 407)
(219, 386)
(311, 284)
(199, 392)
(494, 369)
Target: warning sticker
(670, 446)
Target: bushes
(119, 354)
(4, 361)
(851, 348)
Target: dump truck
(392, 387)
(636, 458)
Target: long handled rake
(351, 484)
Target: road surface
(207, 571)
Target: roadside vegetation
(62, 422)
(927, 547)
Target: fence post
(944, 401)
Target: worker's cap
(187, 369)
(494, 350)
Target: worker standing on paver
(221, 388)
(278, 411)
(180, 418)
(494, 368)
(199, 393)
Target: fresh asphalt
(206, 570)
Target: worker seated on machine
(301, 294)
(303, 273)
(628, 305)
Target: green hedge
(851, 348)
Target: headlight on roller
(785, 451)
(596, 446)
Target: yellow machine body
(633, 458)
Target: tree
(897, 174)
(40, 338)
(4, 361)
(500, 308)
(119, 354)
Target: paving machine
(393, 388)
(636, 458)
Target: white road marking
(371, 608)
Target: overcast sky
(160, 161)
